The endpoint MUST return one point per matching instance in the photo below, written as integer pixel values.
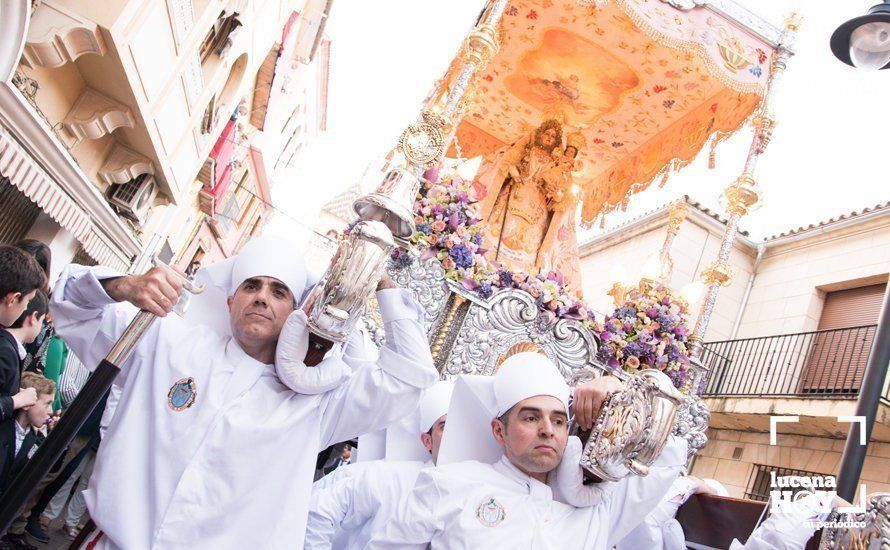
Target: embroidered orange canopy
(647, 83)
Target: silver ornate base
(471, 335)
(875, 534)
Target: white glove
(567, 481)
(293, 343)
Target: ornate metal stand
(469, 335)
(743, 194)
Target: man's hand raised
(157, 291)
(588, 399)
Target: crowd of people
(212, 433)
(39, 378)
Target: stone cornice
(123, 164)
(57, 36)
(94, 115)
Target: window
(840, 352)
(218, 39)
(229, 215)
(760, 480)
(209, 119)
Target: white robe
(343, 513)
(787, 529)
(660, 530)
(447, 509)
(234, 470)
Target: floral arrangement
(647, 332)
(448, 230)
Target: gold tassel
(664, 179)
(712, 156)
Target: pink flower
(433, 239)
(448, 264)
(632, 362)
(438, 226)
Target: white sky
(827, 157)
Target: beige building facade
(790, 335)
(110, 112)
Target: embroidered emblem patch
(182, 395)
(490, 513)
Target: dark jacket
(10, 373)
(11, 462)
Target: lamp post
(864, 41)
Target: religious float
(568, 108)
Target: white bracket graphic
(773, 420)
(859, 420)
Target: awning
(30, 179)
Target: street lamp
(864, 41)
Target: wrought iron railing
(825, 363)
(760, 480)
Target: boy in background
(21, 331)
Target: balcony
(814, 375)
(826, 363)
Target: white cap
(434, 404)
(525, 375)
(479, 399)
(401, 440)
(261, 257)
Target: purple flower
(605, 353)
(477, 240)
(461, 255)
(678, 377)
(424, 228)
(626, 313)
(505, 278)
(484, 290)
(401, 259)
(652, 312)
(452, 222)
(634, 349)
(668, 322)
(673, 353)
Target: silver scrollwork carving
(875, 534)
(426, 279)
(509, 318)
(692, 422)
